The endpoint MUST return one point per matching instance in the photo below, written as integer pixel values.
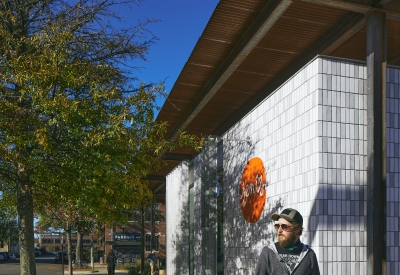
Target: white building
(301, 102)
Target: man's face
(289, 237)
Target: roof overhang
(249, 48)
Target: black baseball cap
(289, 214)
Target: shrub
(146, 269)
(125, 266)
(132, 270)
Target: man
(111, 260)
(152, 258)
(288, 255)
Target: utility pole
(153, 206)
(9, 237)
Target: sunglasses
(285, 227)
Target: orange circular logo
(253, 190)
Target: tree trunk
(69, 240)
(25, 227)
(142, 244)
(78, 250)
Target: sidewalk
(99, 269)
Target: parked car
(5, 255)
(58, 258)
(12, 257)
(37, 252)
(2, 258)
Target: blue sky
(181, 24)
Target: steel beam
(176, 157)
(353, 6)
(394, 61)
(381, 3)
(376, 143)
(158, 187)
(156, 178)
(345, 36)
(361, 6)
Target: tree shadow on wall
(243, 240)
(237, 150)
(181, 241)
(338, 208)
(201, 224)
(180, 234)
(239, 235)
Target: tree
(69, 219)
(76, 130)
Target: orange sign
(253, 190)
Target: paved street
(45, 266)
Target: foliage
(8, 224)
(77, 132)
(45, 225)
(136, 269)
(132, 270)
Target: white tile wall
(393, 170)
(313, 144)
(177, 212)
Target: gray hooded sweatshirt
(271, 263)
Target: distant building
(4, 247)
(125, 240)
(55, 242)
